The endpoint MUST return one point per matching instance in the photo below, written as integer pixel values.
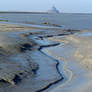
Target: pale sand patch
(13, 28)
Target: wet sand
(75, 52)
(45, 59)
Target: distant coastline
(23, 12)
(20, 12)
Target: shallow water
(66, 20)
(86, 34)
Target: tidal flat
(44, 59)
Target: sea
(65, 20)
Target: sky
(67, 6)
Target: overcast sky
(44, 5)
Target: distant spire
(53, 10)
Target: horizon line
(39, 12)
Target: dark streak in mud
(46, 46)
(64, 32)
(25, 47)
(17, 79)
(47, 36)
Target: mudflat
(34, 59)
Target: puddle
(86, 34)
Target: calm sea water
(70, 21)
